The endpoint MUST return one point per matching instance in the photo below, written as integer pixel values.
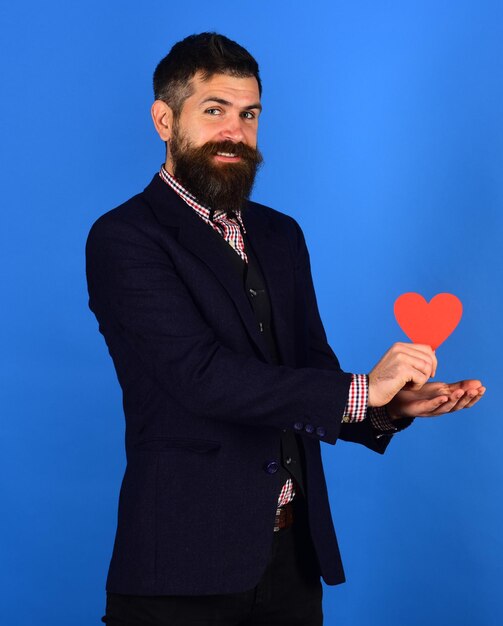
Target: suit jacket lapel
(203, 242)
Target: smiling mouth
(227, 154)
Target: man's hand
(403, 364)
(435, 399)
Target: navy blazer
(204, 407)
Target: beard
(219, 186)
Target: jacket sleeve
(320, 354)
(140, 302)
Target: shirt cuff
(356, 407)
(357, 410)
(382, 422)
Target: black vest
(255, 287)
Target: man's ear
(162, 116)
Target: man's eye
(213, 111)
(248, 115)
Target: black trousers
(288, 593)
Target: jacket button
(272, 467)
(309, 428)
(298, 426)
(320, 431)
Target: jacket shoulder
(279, 221)
(136, 215)
(133, 211)
(283, 226)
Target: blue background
(383, 136)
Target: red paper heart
(431, 322)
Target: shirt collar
(202, 210)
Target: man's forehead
(235, 87)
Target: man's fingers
(462, 402)
(470, 384)
(476, 397)
(418, 373)
(436, 399)
(420, 347)
(423, 354)
(450, 400)
(428, 407)
(411, 361)
(465, 385)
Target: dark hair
(208, 53)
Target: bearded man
(206, 303)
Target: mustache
(211, 148)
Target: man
(207, 306)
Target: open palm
(435, 399)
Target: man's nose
(233, 129)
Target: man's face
(212, 150)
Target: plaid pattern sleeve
(356, 407)
(383, 423)
(357, 410)
(381, 420)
